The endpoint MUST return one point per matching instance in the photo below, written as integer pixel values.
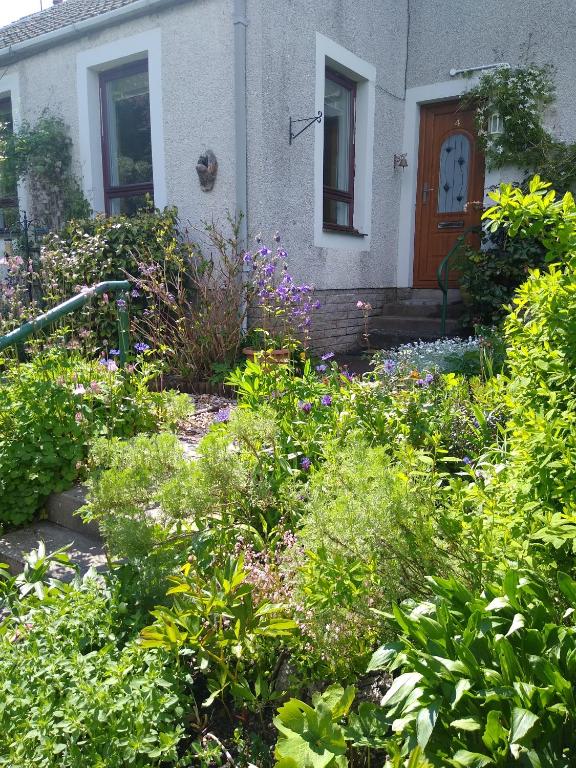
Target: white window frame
(340, 59)
(89, 64)
(10, 87)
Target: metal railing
(443, 272)
(19, 335)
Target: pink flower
(79, 390)
(95, 387)
(78, 418)
(111, 366)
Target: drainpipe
(241, 146)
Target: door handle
(425, 192)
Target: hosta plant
(485, 680)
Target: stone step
(85, 551)
(62, 509)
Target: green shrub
(369, 535)
(541, 336)
(50, 410)
(490, 277)
(89, 251)
(76, 691)
(217, 618)
(485, 679)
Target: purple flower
(348, 375)
(426, 381)
(390, 367)
(135, 294)
(305, 463)
(120, 303)
(141, 347)
(247, 258)
(326, 400)
(114, 352)
(467, 460)
(321, 368)
(328, 356)
(103, 361)
(305, 406)
(264, 251)
(222, 416)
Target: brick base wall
(338, 326)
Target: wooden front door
(450, 175)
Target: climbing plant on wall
(519, 97)
(41, 155)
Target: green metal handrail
(17, 336)
(443, 271)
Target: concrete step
(85, 551)
(62, 509)
(421, 309)
(390, 332)
(419, 327)
(427, 295)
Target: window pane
(454, 170)
(336, 212)
(337, 135)
(129, 205)
(129, 142)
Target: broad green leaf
(523, 724)
(460, 689)
(383, 656)
(425, 723)
(466, 724)
(567, 587)
(494, 733)
(400, 688)
(470, 759)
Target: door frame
(415, 97)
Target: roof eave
(13, 53)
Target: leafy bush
(50, 410)
(76, 691)
(89, 251)
(489, 277)
(369, 535)
(215, 616)
(485, 679)
(541, 334)
(42, 155)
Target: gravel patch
(207, 410)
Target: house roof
(56, 17)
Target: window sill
(336, 229)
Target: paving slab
(85, 551)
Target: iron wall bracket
(308, 120)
